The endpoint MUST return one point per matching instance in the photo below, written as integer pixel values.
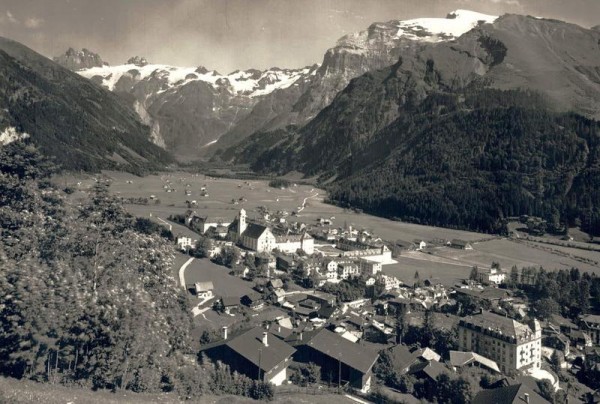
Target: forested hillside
(69, 117)
(462, 134)
(87, 295)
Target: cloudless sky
(234, 34)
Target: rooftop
(508, 395)
(250, 346)
(348, 353)
(502, 325)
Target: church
(260, 238)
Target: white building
(184, 243)
(293, 242)
(492, 275)
(513, 345)
(369, 267)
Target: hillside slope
(68, 117)
(388, 141)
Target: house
(324, 299)
(275, 284)
(591, 325)
(491, 276)
(253, 300)
(341, 360)
(230, 304)
(203, 223)
(513, 345)
(204, 290)
(285, 262)
(257, 354)
(369, 267)
(184, 243)
(278, 296)
(428, 370)
(461, 244)
(460, 359)
(348, 270)
(515, 394)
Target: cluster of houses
(345, 338)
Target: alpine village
(414, 218)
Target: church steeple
(242, 222)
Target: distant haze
(234, 34)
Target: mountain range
(194, 110)
(459, 121)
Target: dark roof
(459, 242)
(254, 230)
(230, 301)
(508, 395)
(431, 368)
(250, 346)
(402, 357)
(353, 355)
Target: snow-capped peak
(454, 25)
(249, 83)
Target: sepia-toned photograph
(300, 201)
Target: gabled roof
(459, 359)
(431, 368)
(250, 346)
(508, 395)
(591, 319)
(254, 230)
(353, 355)
(229, 301)
(402, 357)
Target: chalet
(275, 284)
(264, 259)
(345, 361)
(461, 244)
(278, 296)
(253, 300)
(204, 290)
(429, 370)
(515, 394)
(257, 354)
(591, 325)
(230, 304)
(324, 299)
(285, 263)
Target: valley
(444, 264)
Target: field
(446, 264)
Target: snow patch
(439, 29)
(10, 135)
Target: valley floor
(224, 197)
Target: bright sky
(234, 34)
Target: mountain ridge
(83, 126)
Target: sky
(227, 35)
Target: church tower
(242, 222)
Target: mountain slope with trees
(463, 133)
(69, 117)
